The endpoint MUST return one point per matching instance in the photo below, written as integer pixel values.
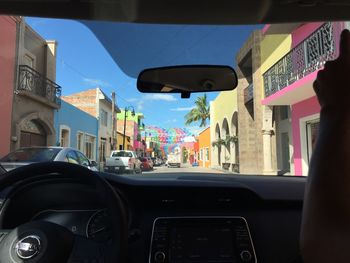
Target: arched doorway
(226, 133)
(32, 133)
(235, 146)
(218, 148)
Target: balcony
(248, 93)
(306, 58)
(33, 84)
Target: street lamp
(125, 114)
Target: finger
(329, 65)
(321, 74)
(344, 45)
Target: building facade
(96, 103)
(133, 128)
(8, 63)
(77, 129)
(31, 73)
(120, 140)
(256, 129)
(204, 145)
(288, 84)
(224, 124)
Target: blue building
(77, 129)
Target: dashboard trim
(63, 211)
(194, 217)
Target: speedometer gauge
(99, 226)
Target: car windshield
(74, 84)
(31, 155)
(122, 154)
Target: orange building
(204, 148)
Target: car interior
(82, 217)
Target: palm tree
(201, 112)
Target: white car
(122, 161)
(28, 155)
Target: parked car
(28, 155)
(156, 161)
(150, 162)
(145, 164)
(174, 159)
(123, 162)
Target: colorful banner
(168, 139)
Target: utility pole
(125, 112)
(113, 121)
(125, 115)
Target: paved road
(182, 169)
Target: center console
(201, 240)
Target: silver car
(28, 155)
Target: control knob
(159, 257)
(246, 256)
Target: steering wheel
(40, 241)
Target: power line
(85, 76)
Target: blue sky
(83, 61)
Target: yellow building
(128, 143)
(224, 123)
(204, 145)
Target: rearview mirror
(187, 79)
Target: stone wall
(255, 121)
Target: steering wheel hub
(28, 247)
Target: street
(185, 168)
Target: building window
(206, 154)
(103, 150)
(80, 141)
(284, 112)
(89, 147)
(201, 155)
(104, 118)
(64, 136)
(29, 61)
(312, 128)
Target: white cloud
(97, 82)
(182, 108)
(139, 105)
(132, 99)
(171, 121)
(163, 97)
(194, 129)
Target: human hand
(332, 85)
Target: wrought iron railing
(248, 93)
(32, 81)
(307, 57)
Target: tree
(225, 142)
(201, 112)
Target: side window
(71, 157)
(83, 160)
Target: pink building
(8, 33)
(289, 83)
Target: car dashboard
(175, 219)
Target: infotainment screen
(201, 240)
(202, 244)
